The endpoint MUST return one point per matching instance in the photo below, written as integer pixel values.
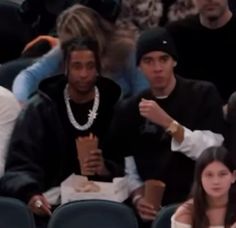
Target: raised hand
(154, 113)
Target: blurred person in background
(116, 48)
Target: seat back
(163, 219)
(15, 214)
(93, 214)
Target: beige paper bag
(154, 190)
(84, 145)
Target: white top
(9, 110)
(175, 224)
(194, 143)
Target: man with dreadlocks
(42, 151)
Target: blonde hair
(80, 20)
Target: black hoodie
(42, 150)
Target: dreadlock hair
(79, 44)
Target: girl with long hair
(213, 200)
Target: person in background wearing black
(206, 43)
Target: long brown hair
(199, 218)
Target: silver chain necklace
(91, 115)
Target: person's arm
(190, 142)
(136, 187)
(134, 180)
(27, 152)
(195, 142)
(210, 128)
(234, 225)
(182, 218)
(9, 110)
(27, 81)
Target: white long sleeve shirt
(194, 143)
(9, 110)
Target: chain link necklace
(92, 112)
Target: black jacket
(42, 148)
(195, 105)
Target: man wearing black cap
(165, 128)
